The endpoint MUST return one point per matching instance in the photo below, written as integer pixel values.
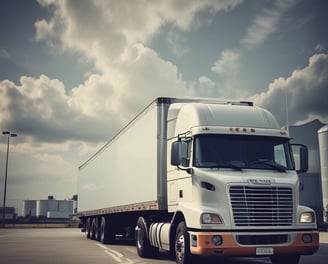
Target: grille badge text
(260, 181)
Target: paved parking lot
(69, 245)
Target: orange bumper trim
(230, 247)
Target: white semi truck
(199, 177)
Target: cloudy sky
(74, 72)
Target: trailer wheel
(182, 245)
(106, 235)
(97, 229)
(285, 259)
(87, 227)
(144, 249)
(94, 229)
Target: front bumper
(297, 243)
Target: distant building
(10, 213)
(49, 208)
(29, 208)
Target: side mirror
(176, 153)
(304, 159)
(301, 155)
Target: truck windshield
(242, 152)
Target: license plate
(261, 251)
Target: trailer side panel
(123, 175)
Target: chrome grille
(262, 206)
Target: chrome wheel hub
(180, 247)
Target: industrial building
(49, 208)
(8, 213)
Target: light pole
(9, 135)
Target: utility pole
(9, 135)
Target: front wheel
(144, 249)
(285, 259)
(182, 245)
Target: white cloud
(205, 81)
(123, 91)
(205, 87)
(93, 111)
(103, 29)
(147, 77)
(114, 35)
(319, 48)
(228, 64)
(267, 22)
(178, 43)
(95, 98)
(306, 91)
(42, 110)
(227, 69)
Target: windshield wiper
(269, 163)
(233, 165)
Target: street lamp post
(9, 135)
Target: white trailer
(199, 177)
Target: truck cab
(232, 184)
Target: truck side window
(279, 155)
(185, 151)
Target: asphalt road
(60, 245)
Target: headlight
(208, 218)
(307, 217)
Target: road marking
(132, 250)
(117, 259)
(117, 256)
(129, 261)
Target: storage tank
(323, 148)
(41, 208)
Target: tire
(93, 229)
(285, 259)
(97, 229)
(182, 245)
(106, 234)
(144, 249)
(87, 227)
